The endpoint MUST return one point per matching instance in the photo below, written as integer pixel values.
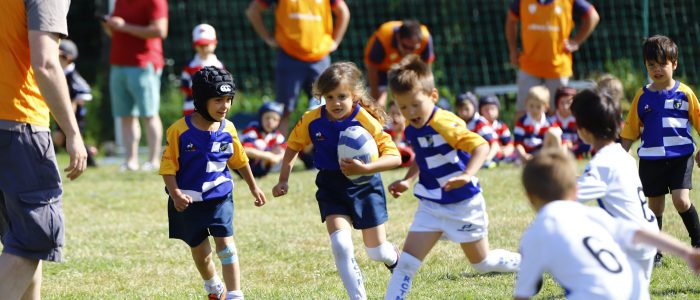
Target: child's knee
(228, 255)
(341, 242)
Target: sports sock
(690, 220)
(499, 260)
(401, 279)
(660, 221)
(344, 254)
(214, 285)
(234, 295)
(386, 253)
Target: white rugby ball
(357, 143)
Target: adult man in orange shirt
(545, 30)
(305, 35)
(32, 85)
(388, 45)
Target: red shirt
(129, 50)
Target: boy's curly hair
(411, 74)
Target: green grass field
(117, 244)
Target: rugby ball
(357, 143)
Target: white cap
(203, 34)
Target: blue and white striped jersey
(199, 159)
(663, 119)
(442, 148)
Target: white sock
(237, 294)
(401, 279)
(499, 260)
(344, 254)
(386, 253)
(214, 285)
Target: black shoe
(392, 267)
(657, 259)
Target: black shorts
(365, 203)
(660, 177)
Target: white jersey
(612, 179)
(581, 247)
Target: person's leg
(486, 261)
(688, 213)
(154, 135)
(148, 103)
(415, 248)
(230, 267)
(314, 71)
(378, 248)
(339, 229)
(524, 81)
(123, 106)
(33, 291)
(552, 85)
(201, 254)
(131, 134)
(17, 275)
(288, 81)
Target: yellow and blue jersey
(199, 159)
(315, 127)
(443, 148)
(663, 120)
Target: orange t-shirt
(304, 29)
(386, 37)
(20, 98)
(544, 28)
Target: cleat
(221, 296)
(657, 259)
(392, 267)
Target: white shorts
(462, 222)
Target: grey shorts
(31, 214)
(526, 81)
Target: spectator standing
(137, 28)
(32, 86)
(547, 45)
(305, 35)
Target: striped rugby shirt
(315, 127)
(442, 148)
(199, 159)
(663, 120)
(530, 133)
(481, 126)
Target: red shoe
(221, 296)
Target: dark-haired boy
(580, 246)
(666, 109)
(607, 177)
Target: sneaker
(392, 267)
(221, 296)
(148, 166)
(657, 259)
(128, 168)
(508, 261)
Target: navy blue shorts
(660, 177)
(200, 220)
(293, 75)
(31, 212)
(365, 204)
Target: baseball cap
(467, 97)
(68, 49)
(203, 34)
(490, 99)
